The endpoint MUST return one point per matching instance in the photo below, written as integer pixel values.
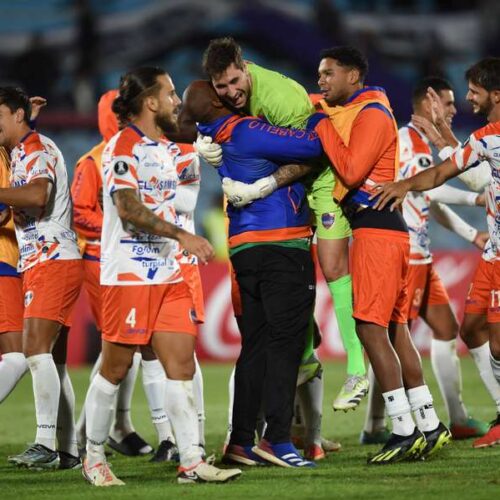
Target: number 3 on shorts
(130, 320)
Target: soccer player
(427, 296)
(145, 299)
(361, 142)
(269, 250)
(86, 192)
(484, 95)
(283, 102)
(52, 274)
(13, 363)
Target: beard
(485, 108)
(167, 123)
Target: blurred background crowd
(71, 51)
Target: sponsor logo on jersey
(328, 219)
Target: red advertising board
(219, 338)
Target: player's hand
(437, 109)
(392, 192)
(210, 151)
(481, 199)
(197, 246)
(481, 239)
(5, 214)
(429, 129)
(240, 194)
(37, 103)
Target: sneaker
(436, 439)
(492, 437)
(36, 457)
(167, 452)
(100, 474)
(376, 437)
(399, 448)
(243, 455)
(471, 428)
(328, 445)
(68, 461)
(283, 454)
(205, 473)
(314, 452)
(355, 388)
(132, 445)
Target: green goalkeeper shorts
(331, 223)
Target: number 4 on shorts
(130, 320)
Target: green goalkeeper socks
(341, 292)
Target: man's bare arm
(34, 194)
(131, 210)
(287, 174)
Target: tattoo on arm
(131, 210)
(287, 174)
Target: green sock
(341, 292)
(309, 350)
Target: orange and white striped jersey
(188, 171)
(130, 256)
(43, 234)
(484, 145)
(416, 155)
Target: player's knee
(114, 373)
(495, 347)
(181, 370)
(335, 270)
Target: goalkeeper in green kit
(283, 102)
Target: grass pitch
(457, 472)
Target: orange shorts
(92, 284)
(479, 296)
(11, 304)
(494, 307)
(424, 288)
(379, 269)
(191, 275)
(132, 313)
(51, 289)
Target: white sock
(154, 382)
(481, 356)
(181, 410)
(375, 408)
(13, 366)
(230, 389)
(495, 367)
(421, 403)
(198, 399)
(311, 403)
(122, 426)
(66, 435)
(446, 367)
(80, 424)
(46, 389)
(399, 411)
(99, 407)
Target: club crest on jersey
(328, 220)
(424, 162)
(28, 298)
(121, 167)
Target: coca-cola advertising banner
(219, 339)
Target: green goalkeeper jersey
(277, 98)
